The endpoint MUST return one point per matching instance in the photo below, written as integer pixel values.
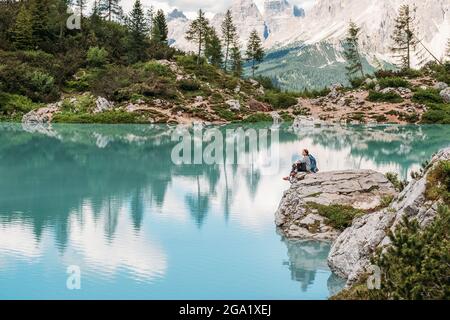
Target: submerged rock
(351, 253)
(360, 189)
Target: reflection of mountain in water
(46, 176)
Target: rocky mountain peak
(176, 14)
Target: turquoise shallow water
(109, 200)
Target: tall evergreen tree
(23, 31)
(213, 48)
(138, 30)
(404, 36)
(109, 9)
(40, 14)
(150, 17)
(351, 52)
(255, 52)
(198, 32)
(159, 28)
(229, 35)
(236, 59)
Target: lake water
(109, 200)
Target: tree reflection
(47, 175)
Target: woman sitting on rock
(307, 164)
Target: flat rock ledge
(360, 189)
(351, 253)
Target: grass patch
(339, 216)
(110, 117)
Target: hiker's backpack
(313, 164)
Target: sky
(189, 7)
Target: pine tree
(159, 29)
(150, 17)
(236, 59)
(404, 36)
(109, 9)
(138, 30)
(213, 48)
(23, 32)
(40, 21)
(255, 52)
(351, 52)
(198, 31)
(229, 35)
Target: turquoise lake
(110, 200)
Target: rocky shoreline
(380, 210)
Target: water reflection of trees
(400, 145)
(48, 176)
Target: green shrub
(301, 111)
(279, 100)
(395, 82)
(414, 267)
(339, 217)
(225, 113)
(380, 118)
(437, 113)
(42, 82)
(357, 82)
(258, 117)
(440, 72)
(97, 57)
(391, 97)
(189, 85)
(286, 116)
(266, 82)
(157, 68)
(438, 182)
(14, 103)
(313, 94)
(427, 96)
(399, 185)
